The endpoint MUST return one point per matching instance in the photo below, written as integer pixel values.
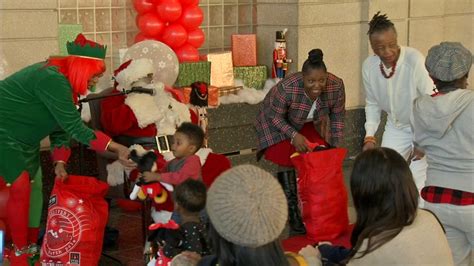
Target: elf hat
(86, 48)
(131, 71)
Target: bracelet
(59, 161)
(371, 139)
(300, 259)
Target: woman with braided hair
(393, 79)
(288, 118)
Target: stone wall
(339, 28)
(28, 33)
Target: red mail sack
(77, 215)
(322, 193)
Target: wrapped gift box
(213, 95)
(192, 72)
(67, 33)
(224, 91)
(222, 74)
(253, 77)
(244, 49)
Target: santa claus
(150, 120)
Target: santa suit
(134, 118)
(145, 117)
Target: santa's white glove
(311, 255)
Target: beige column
(28, 33)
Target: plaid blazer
(286, 107)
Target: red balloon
(187, 53)
(174, 36)
(140, 37)
(150, 24)
(189, 2)
(196, 38)
(143, 6)
(191, 18)
(169, 10)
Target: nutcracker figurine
(280, 61)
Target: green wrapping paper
(192, 72)
(252, 76)
(67, 33)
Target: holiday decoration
(280, 61)
(164, 59)
(174, 22)
(77, 215)
(213, 95)
(244, 50)
(252, 76)
(192, 72)
(222, 74)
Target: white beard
(173, 113)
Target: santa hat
(131, 71)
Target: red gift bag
(322, 193)
(77, 215)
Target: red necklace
(389, 74)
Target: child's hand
(192, 256)
(311, 255)
(149, 177)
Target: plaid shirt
(286, 107)
(435, 194)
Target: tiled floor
(129, 248)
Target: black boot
(288, 182)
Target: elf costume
(36, 102)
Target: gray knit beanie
(448, 61)
(247, 207)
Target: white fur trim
(151, 262)
(202, 153)
(137, 69)
(174, 113)
(86, 112)
(115, 173)
(144, 108)
(168, 156)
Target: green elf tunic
(36, 102)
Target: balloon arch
(173, 22)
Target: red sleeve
(194, 117)
(116, 117)
(61, 154)
(190, 169)
(101, 142)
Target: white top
(311, 111)
(395, 95)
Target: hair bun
(315, 55)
